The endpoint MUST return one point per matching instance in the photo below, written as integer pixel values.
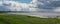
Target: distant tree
(58, 17)
(3, 11)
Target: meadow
(24, 19)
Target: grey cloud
(48, 6)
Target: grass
(24, 19)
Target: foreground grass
(24, 19)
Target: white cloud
(16, 6)
(57, 9)
(34, 3)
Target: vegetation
(24, 19)
(3, 11)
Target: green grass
(24, 19)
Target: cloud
(34, 5)
(47, 5)
(57, 9)
(16, 6)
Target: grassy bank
(24, 19)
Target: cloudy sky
(30, 5)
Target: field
(24, 19)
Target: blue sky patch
(23, 1)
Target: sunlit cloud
(16, 6)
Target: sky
(30, 5)
(22, 1)
(20, 5)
